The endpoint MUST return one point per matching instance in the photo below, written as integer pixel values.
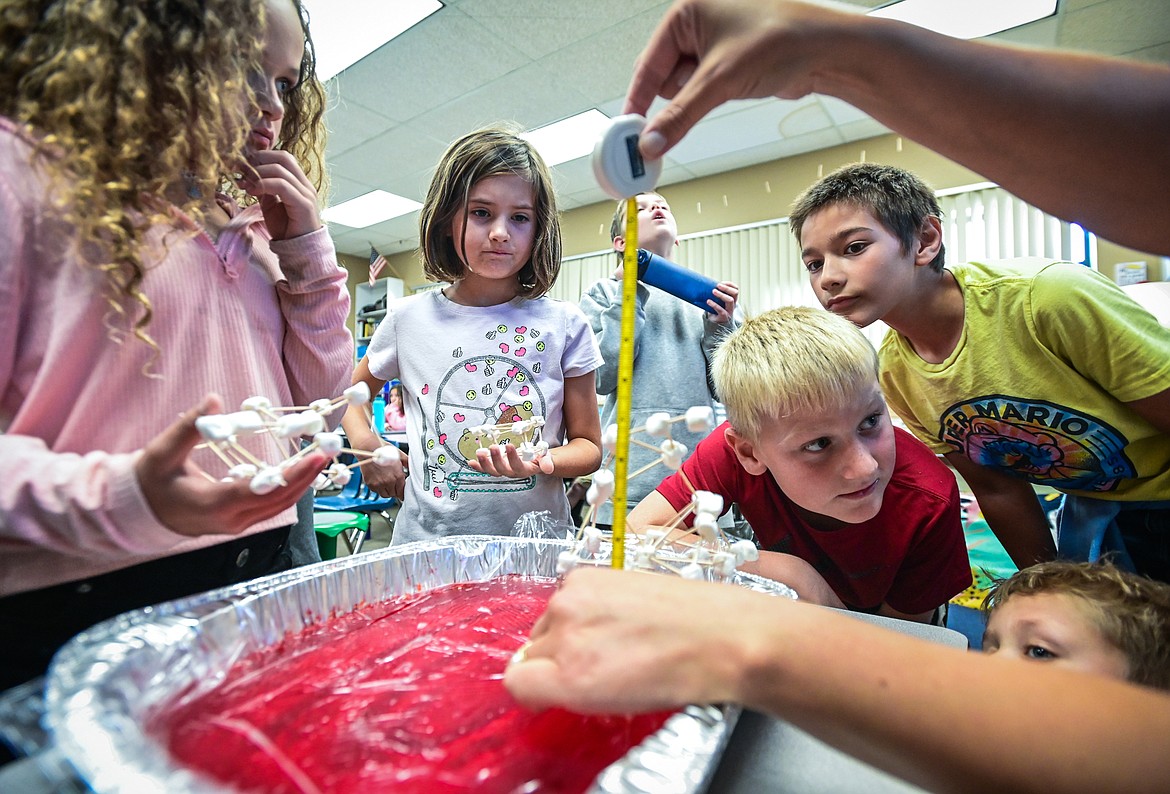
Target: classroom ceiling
(473, 62)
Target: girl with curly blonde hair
(160, 168)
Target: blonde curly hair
(128, 96)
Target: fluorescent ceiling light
(967, 19)
(374, 207)
(345, 31)
(569, 138)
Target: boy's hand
(186, 502)
(287, 198)
(726, 294)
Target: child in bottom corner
(488, 348)
(1087, 616)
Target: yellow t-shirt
(1036, 386)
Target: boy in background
(1017, 371)
(858, 513)
(1091, 617)
(673, 340)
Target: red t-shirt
(911, 555)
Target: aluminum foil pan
(105, 683)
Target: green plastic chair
(351, 527)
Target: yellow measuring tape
(621, 465)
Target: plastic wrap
(108, 682)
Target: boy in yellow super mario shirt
(1018, 371)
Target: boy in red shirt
(849, 511)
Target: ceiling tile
(1118, 27)
(350, 125)
(438, 60)
(552, 25)
(751, 127)
(400, 160)
(531, 96)
(342, 189)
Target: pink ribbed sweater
(239, 316)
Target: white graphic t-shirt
(466, 366)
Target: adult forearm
(1080, 136)
(892, 701)
(621, 642)
(1019, 108)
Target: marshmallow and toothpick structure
(257, 415)
(702, 551)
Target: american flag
(377, 262)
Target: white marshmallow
(603, 482)
(745, 551)
(672, 454)
(311, 423)
(700, 419)
(527, 452)
(592, 539)
(385, 455)
(357, 394)
(609, 438)
(289, 426)
(691, 571)
(658, 424)
(246, 421)
(724, 563)
(258, 403)
(707, 502)
(321, 482)
(339, 474)
(707, 526)
(644, 557)
(322, 406)
(593, 496)
(604, 478)
(329, 443)
(653, 536)
(267, 480)
(215, 427)
(242, 471)
(566, 561)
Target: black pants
(35, 624)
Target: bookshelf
(369, 305)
